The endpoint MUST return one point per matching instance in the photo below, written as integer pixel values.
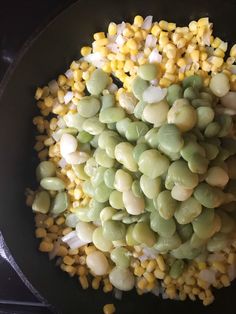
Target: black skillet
(42, 59)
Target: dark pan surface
(44, 58)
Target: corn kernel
(203, 56)
(159, 274)
(62, 251)
(109, 309)
(219, 266)
(85, 51)
(62, 80)
(96, 283)
(127, 32)
(217, 61)
(204, 21)
(138, 20)
(84, 282)
(182, 296)
(68, 260)
(181, 62)
(45, 246)
(216, 43)
(38, 93)
(195, 54)
(163, 25)
(171, 292)
(151, 266)
(171, 27)
(201, 265)
(139, 271)
(219, 53)
(181, 43)
(98, 36)
(164, 82)
(231, 258)
(132, 44)
(112, 29)
(225, 280)
(40, 233)
(193, 26)
(233, 51)
(89, 249)
(100, 42)
(156, 30)
(142, 283)
(149, 276)
(167, 280)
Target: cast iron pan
(41, 60)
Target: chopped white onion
(155, 56)
(113, 47)
(117, 294)
(120, 40)
(69, 236)
(73, 240)
(156, 291)
(120, 28)
(56, 136)
(150, 253)
(56, 247)
(61, 123)
(75, 243)
(76, 158)
(53, 87)
(133, 58)
(96, 59)
(62, 163)
(150, 41)
(154, 94)
(68, 97)
(112, 88)
(147, 23)
(69, 74)
(154, 82)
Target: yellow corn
(109, 309)
(164, 82)
(85, 51)
(195, 54)
(156, 30)
(138, 20)
(225, 280)
(45, 246)
(151, 266)
(96, 283)
(112, 29)
(40, 233)
(68, 260)
(84, 282)
(233, 51)
(171, 27)
(219, 266)
(61, 80)
(149, 276)
(98, 36)
(142, 283)
(163, 25)
(193, 25)
(38, 93)
(217, 61)
(132, 44)
(139, 271)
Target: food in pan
(137, 150)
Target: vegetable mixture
(137, 149)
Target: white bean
(123, 181)
(122, 278)
(98, 263)
(76, 158)
(219, 84)
(217, 176)
(180, 193)
(133, 204)
(84, 231)
(68, 144)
